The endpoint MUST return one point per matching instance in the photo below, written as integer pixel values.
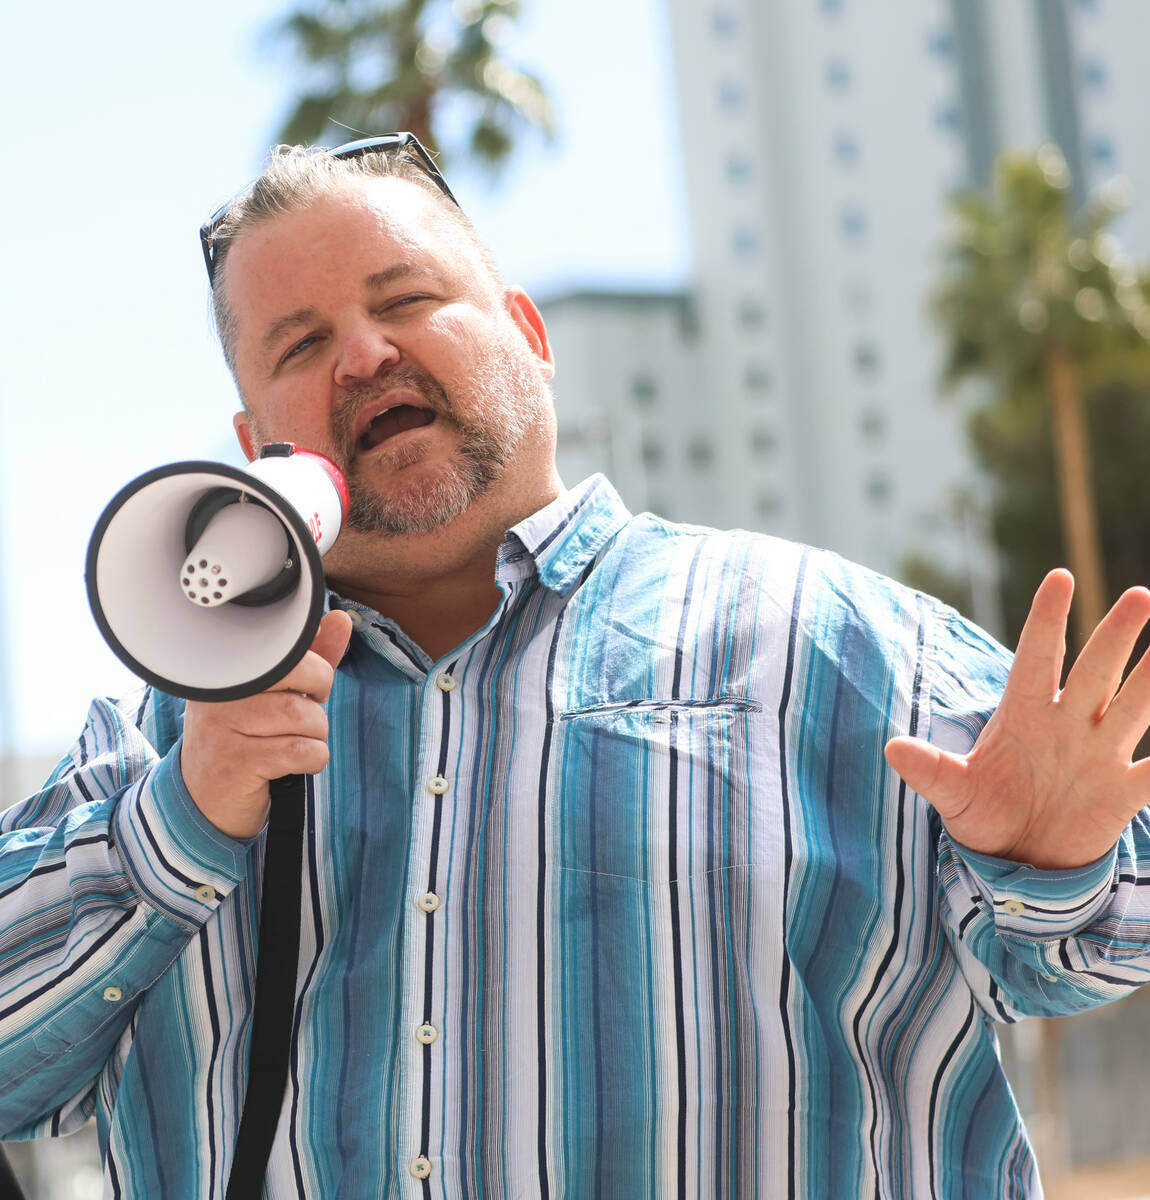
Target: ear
(526, 316)
(243, 427)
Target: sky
(128, 123)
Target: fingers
(314, 674)
(290, 754)
(937, 776)
(231, 750)
(1128, 716)
(273, 714)
(1096, 675)
(333, 636)
(1037, 670)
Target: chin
(416, 501)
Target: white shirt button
(429, 902)
(113, 995)
(426, 1034)
(445, 682)
(421, 1168)
(1015, 907)
(356, 617)
(206, 893)
(437, 786)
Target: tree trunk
(1075, 491)
(1079, 512)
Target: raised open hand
(1050, 780)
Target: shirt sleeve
(105, 875)
(1029, 941)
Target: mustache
(355, 399)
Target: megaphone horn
(207, 579)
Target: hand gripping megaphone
(207, 580)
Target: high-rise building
(795, 389)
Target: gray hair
(295, 177)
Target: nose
(363, 349)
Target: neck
(438, 587)
(440, 616)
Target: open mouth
(397, 419)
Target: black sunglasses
(387, 143)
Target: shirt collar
(561, 540)
(564, 537)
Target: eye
(299, 347)
(406, 301)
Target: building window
(852, 221)
(769, 505)
(872, 424)
(731, 95)
(1102, 152)
(867, 359)
(878, 488)
(744, 242)
(645, 390)
(763, 441)
(838, 75)
(700, 452)
(757, 379)
(738, 169)
(846, 148)
(653, 452)
(941, 44)
(724, 23)
(752, 315)
(1094, 75)
(948, 118)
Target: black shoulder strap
(9, 1188)
(277, 962)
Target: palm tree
(380, 65)
(1040, 303)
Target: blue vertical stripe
(691, 937)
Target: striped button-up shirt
(618, 899)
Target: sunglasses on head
(388, 143)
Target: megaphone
(206, 579)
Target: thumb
(334, 634)
(937, 776)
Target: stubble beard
(513, 401)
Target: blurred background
(871, 277)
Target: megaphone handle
(277, 962)
(9, 1185)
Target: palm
(1050, 781)
(377, 67)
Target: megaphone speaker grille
(222, 652)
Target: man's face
(369, 329)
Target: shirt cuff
(179, 861)
(1037, 904)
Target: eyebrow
(402, 270)
(382, 279)
(301, 316)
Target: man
(608, 890)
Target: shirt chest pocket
(658, 791)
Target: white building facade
(795, 389)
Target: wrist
(236, 816)
(239, 819)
